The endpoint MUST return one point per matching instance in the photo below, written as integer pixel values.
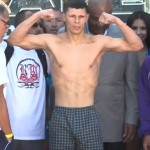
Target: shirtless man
(75, 58)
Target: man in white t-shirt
(4, 118)
(25, 93)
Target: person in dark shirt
(144, 103)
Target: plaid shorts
(75, 129)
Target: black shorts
(28, 144)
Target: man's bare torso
(75, 56)
(75, 70)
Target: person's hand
(46, 14)
(106, 18)
(129, 132)
(146, 142)
(9, 139)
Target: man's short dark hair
(20, 16)
(77, 4)
(55, 9)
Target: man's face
(4, 25)
(36, 28)
(75, 20)
(95, 26)
(52, 26)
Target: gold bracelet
(9, 135)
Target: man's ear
(87, 17)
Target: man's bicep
(117, 44)
(32, 42)
(112, 44)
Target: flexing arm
(20, 36)
(130, 42)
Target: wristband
(9, 135)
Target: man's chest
(76, 57)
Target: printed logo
(28, 73)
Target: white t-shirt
(25, 95)
(3, 74)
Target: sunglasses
(6, 23)
(35, 25)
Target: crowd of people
(99, 95)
